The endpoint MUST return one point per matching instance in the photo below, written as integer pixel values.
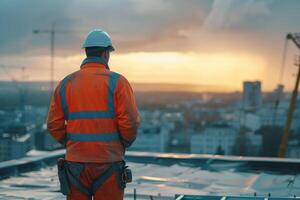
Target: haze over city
(218, 43)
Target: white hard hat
(98, 38)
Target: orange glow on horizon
(226, 69)
(219, 69)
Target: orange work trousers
(109, 190)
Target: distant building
(173, 117)
(293, 150)
(214, 138)
(152, 138)
(268, 116)
(180, 140)
(14, 146)
(155, 132)
(44, 141)
(279, 92)
(252, 95)
(252, 121)
(271, 117)
(254, 144)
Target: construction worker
(93, 114)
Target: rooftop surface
(165, 175)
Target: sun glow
(218, 69)
(226, 69)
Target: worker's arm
(127, 113)
(56, 119)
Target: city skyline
(220, 43)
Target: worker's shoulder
(118, 77)
(71, 76)
(121, 81)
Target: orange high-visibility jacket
(94, 114)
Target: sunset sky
(209, 42)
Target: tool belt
(69, 173)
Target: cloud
(151, 7)
(227, 14)
(142, 25)
(19, 18)
(133, 24)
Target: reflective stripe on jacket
(93, 112)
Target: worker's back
(94, 115)
(100, 112)
(90, 97)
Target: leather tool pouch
(62, 176)
(127, 175)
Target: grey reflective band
(63, 98)
(90, 115)
(93, 137)
(112, 84)
(108, 114)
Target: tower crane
(53, 31)
(295, 38)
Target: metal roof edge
(211, 157)
(30, 163)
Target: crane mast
(295, 37)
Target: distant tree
(271, 140)
(220, 151)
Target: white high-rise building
(252, 95)
(152, 138)
(213, 138)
